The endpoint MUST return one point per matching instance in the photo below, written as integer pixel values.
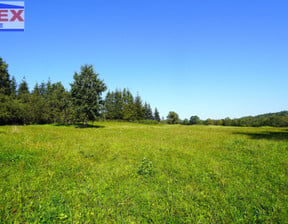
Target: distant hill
(282, 113)
(278, 119)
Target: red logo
(14, 15)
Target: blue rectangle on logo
(1, 25)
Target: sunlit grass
(201, 174)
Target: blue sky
(208, 58)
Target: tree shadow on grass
(269, 135)
(80, 125)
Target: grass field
(135, 173)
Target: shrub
(146, 167)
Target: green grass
(137, 173)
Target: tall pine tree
(156, 115)
(128, 106)
(5, 82)
(139, 109)
(86, 91)
(148, 112)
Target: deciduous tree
(172, 118)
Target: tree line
(51, 103)
(121, 105)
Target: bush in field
(146, 167)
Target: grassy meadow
(135, 173)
